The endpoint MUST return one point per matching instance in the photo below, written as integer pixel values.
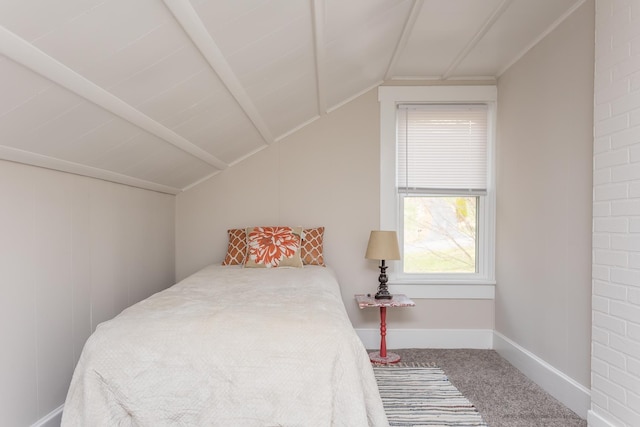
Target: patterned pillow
(269, 247)
(237, 247)
(312, 246)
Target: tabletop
(397, 300)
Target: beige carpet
(502, 394)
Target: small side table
(398, 300)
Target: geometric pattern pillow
(237, 247)
(312, 246)
(269, 247)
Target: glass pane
(440, 234)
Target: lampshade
(383, 245)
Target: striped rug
(423, 396)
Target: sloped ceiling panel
(43, 16)
(517, 29)
(269, 47)
(156, 69)
(441, 33)
(44, 118)
(359, 42)
(162, 94)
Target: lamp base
(383, 291)
(383, 294)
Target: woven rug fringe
(405, 365)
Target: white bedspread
(229, 347)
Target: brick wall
(615, 377)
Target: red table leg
(382, 356)
(383, 331)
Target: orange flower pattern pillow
(237, 247)
(312, 246)
(269, 247)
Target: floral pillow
(237, 247)
(269, 247)
(312, 246)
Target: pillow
(237, 247)
(269, 247)
(312, 246)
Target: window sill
(444, 291)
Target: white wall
(326, 174)
(544, 187)
(616, 207)
(74, 252)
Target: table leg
(382, 356)
(383, 331)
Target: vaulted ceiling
(163, 94)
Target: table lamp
(383, 245)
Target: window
(437, 187)
(441, 154)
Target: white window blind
(442, 148)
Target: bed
(229, 346)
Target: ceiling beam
(35, 159)
(36, 60)
(317, 13)
(404, 37)
(488, 23)
(188, 18)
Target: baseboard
(595, 420)
(428, 338)
(52, 419)
(572, 394)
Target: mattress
(229, 346)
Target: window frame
(480, 285)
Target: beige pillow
(269, 247)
